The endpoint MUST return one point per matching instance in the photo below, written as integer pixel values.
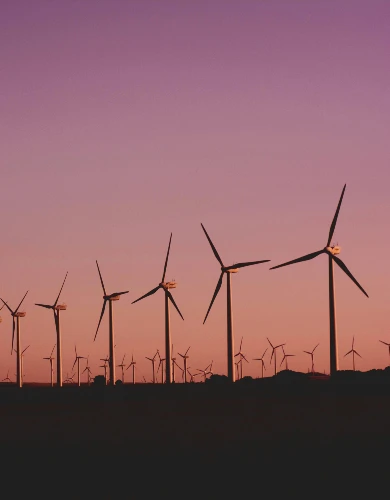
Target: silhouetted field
(250, 424)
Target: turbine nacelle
(227, 270)
(333, 250)
(61, 307)
(167, 285)
(19, 314)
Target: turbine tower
(109, 298)
(16, 322)
(386, 343)
(331, 252)
(88, 370)
(228, 271)
(77, 360)
(273, 354)
(262, 362)
(353, 352)
(166, 286)
(185, 357)
(50, 358)
(311, 353)
(56, 308)
(153, 360)
(21, 363)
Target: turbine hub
(333, 250)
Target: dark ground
(314, 431)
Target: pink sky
(125, 121)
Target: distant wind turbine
(153, 360)
(56, 308)
(273, 354)
(311, 354)
(15, 320)
(285, 358)
(77, 360)
(386, 343)
(185, 357)
(166, 286)
(88, 370)
(132, 364)
(331, 252)
(242, 357)
(353, 352)
(122, 365)
(110, 299)
(228, 271)
(262, 362)
(7, 379)
(50, 359)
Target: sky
(125, 121)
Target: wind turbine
(285, 358)
(185, 357)
(386, 343)
(192, 376)
(16, 314)
(206, 371)
(161, 364)
(21, 362)
(6, 379)
(228, 271)
(68, 379)
(241, 357)
(56, 312)
(262, 363)
(105, 360)
(109, 298)
(273, 354)
(166, 286)
(353, 353)
(88, 370)
(50, 358)
(331, 252)
(153, 360)
(77, 360)
(122, 365)
(132, 364)
(311, 353)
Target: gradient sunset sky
(124, 121)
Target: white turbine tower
(109, 298)
(262, 362)
(273, 354)
(285, 358)
(166, 286)
(16, 315)
(56, 308)
(228, 271)
(311, 354)
(353, 352)
(331, 252)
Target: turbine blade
(264, 353)
(174, 303)
(7, 306)
(20, 303)
(100, 319)
(341, 264)
(101, 279)
(270, 343)
(212, 246)
(25, 349)
(58, 296)
(300, 259)
(185, 354)
(75, 361)
(333, 225)
(217, 288)
(44, 305)
(315, 347)
(357, 354)
(52, 350)
(166, 260)
(115, 294)
(349, 352)
(147, 294)
(245, 264)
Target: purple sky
(123, 121)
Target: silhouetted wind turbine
(331, 251)
(21, 362)
(132, 364)
(161, 364)
(206, 371)
(17, 315)
(242, 357)
(153, 360)
(174, 364)
(311, 353)
(105, 360)
(122, 365)
(353, 353)
(50, 358)
(262, 362)
(88, 370)
(285, 358)
(109, 298)
(68, 379)
(56, 308)
(7, 379)
(166, 286)
(273, 354)
(185, 357)
(228, 271)
(77, 360)
(386, 343)
(192, 376)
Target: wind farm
(257, 134)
